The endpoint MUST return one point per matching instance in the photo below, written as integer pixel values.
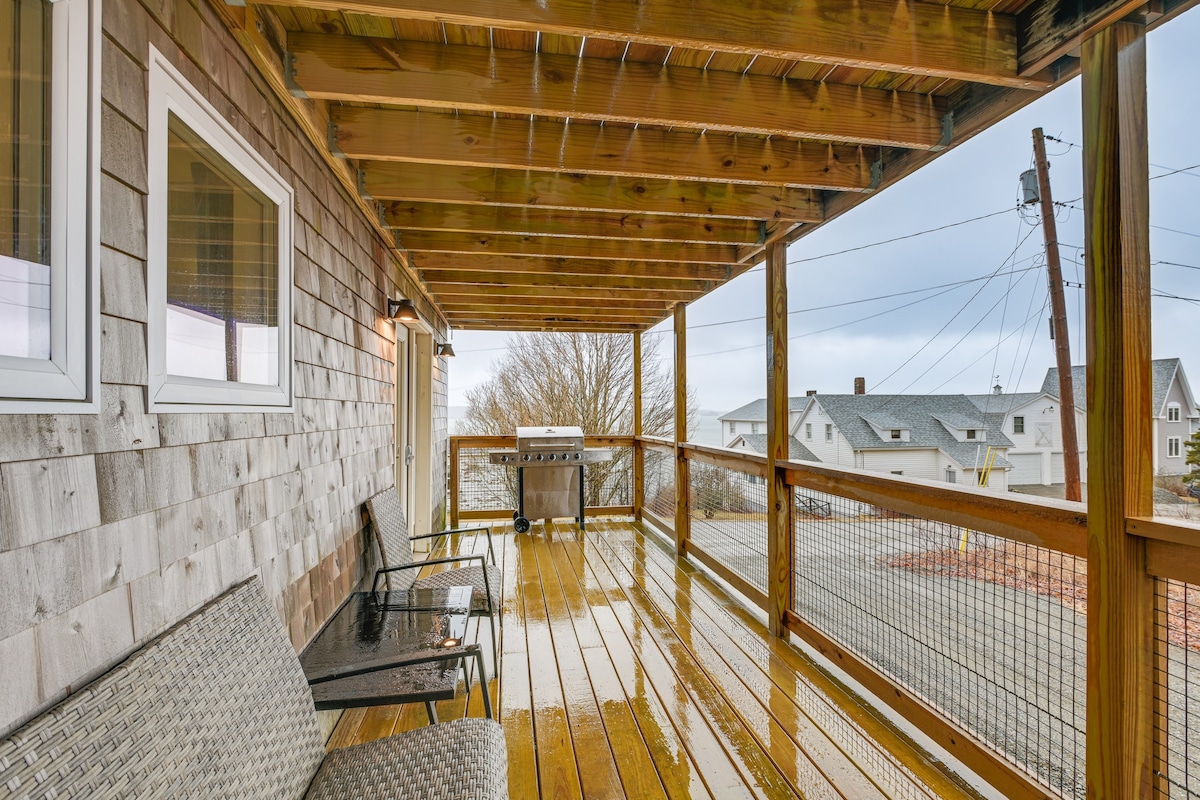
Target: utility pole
(1058, 310)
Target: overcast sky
(955, 338)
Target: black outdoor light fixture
(445, 350)
(402, 309)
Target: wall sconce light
(445, 350)
(402, 309)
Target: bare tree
(583, 379)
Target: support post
(639, 455)
(779, 496)
(1058, 312)
(1120, 653)
(683, 481)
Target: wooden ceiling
(589, 164)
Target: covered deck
(628, 673)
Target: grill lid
(565, 437)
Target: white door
(404, 420)
(1026, 468)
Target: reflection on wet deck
(628, 674)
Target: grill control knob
(525, 457)
(503, 459)
(539, 456)
(566, 457)
(578, 456)
(553, 457)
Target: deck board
(626, 673)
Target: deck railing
(966, 610)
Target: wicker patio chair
(399, 570)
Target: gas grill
(554, 487)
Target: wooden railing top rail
(1056, 524)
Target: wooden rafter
(912, 37)
(551, 293)
(437, 183)
(612, 282)
(573, 266)
(590, 224)
(474, 141)
(563, 247)
(393, 72)
(467, 300)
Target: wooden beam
(575, 314)
(589, 224)
(438, 183)
(443, 277)
(683, 481)
(779, 495)
(477, 141)
(572, 266)
(1121, 651)
(552, 294)
(549, 325)
(481, 310)
(450, 299)
(411, 73)
(910, 37)
(1050, 29)
(639, 455)
(563, 247)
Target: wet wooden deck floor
(628, 674)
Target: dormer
(889, 428)
(963, 428)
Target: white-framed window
(895, 434)
(1173, 412)
(808, 431)
(1018, 424)
(49, 193)
(829, 433)
(970, 433)
(733, 427)
(951, 475)
(219, 277)
(753, 428)
(1172, 447)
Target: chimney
(810, 393)
(860, 385)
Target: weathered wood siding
(113, 526)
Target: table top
(375, 627)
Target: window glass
(25, 76)
(1173, 447)
(222, 267)
(808, 431)
(1172, 413)
(829, 433)
(1018, 424)
(970, 433)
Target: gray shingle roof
(757, 410)
(921, 413)
(1162, 373)
(1004, 403)
(884, 420)
(796, 450)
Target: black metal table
(392, 647)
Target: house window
(1018, 424)
(951, 476)
(1173, 412)
(219, 276)
(732, 428)
(1172, 447)
(970, 433)
(48, 123)
(808, 431)
(895, 434)
(753, 428)
(829, 433)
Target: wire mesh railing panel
(1177, 682)
(989, 631)
(610, 483)
(659, 482)
(729, 519)
(482, 485)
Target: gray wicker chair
(400, 570)
(218, 707)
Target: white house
(1031, 420)
(751, 419)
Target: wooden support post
(639, 455)
(1120, 654)
(683, 481)
(454, 477)
(779, 496)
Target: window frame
(1174, 413)
(828, 432)
(1018, 425)
(808, 431)
(170, 92)
(69, 381)
(1174, 443)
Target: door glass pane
(222, 267)
(25, 28)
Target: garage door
(1027, 468)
